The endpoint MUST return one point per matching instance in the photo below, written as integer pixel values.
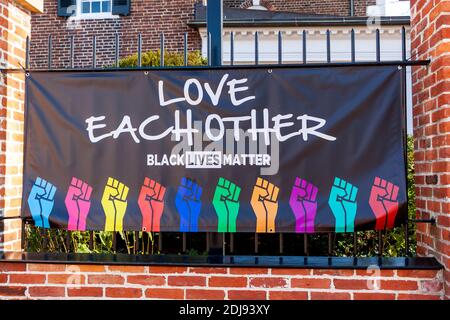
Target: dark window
(66, 7)
(121, 7)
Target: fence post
(215, 28)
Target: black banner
(226, 150)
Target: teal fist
(343, 204)
(41, 201)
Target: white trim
(100, 15)
(258, 7)
(92, 16)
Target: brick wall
(329, 7)
(37, 281)
(149, 17)
(431, 108)
(14, 28)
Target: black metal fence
(328, 244)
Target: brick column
(430, 38)
(14, 28)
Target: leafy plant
(171, 59)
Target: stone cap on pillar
(35, 6)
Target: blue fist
(40, 201)
(188, 204)
(343, 204)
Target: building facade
(149, 17)
(31, 280)
(84, 19)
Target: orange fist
(265, 205)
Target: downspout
(352, 8)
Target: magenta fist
(303, 202)
(78, 204)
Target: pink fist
(384, 204)
(78, 204)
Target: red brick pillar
(14, 28)
(430, 36)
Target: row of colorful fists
(264, 201)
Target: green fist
(226, 203)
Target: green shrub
(171, 59)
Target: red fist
(151, 203)
(384, 204)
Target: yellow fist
(114, 203)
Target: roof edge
(343, 21)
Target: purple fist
(304, 205)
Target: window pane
(95, 6)
(86, 7)
(105, 6)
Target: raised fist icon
(303, 202)
(226, 203)
(343, 204)
(384, 203)
(188, 204)
(114, 203)
(78, 204)
(264, 202)
(41, 201)
(151, 203)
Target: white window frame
(97, 15)
(256, 5)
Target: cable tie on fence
(11, 218)
(430, 221)
(21, 66)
